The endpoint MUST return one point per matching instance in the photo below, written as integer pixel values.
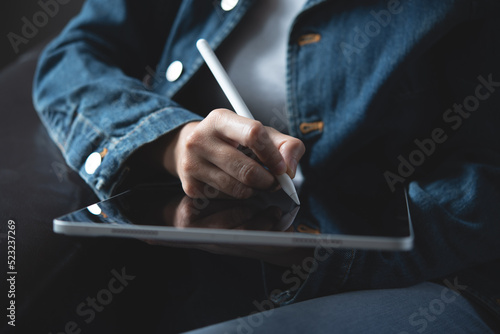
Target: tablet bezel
(247, 237)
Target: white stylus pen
(237, 102)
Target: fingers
(290, 148)
(207, 155)
(238, 165)
(249, 133)
(199, 176)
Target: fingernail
(293, 166)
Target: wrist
(171, 145)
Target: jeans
(423, 308)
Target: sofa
(67, 284)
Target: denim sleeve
(88, 92)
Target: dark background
(173, 290)
(11, 14)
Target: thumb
(291, 149)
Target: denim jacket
(382, 93)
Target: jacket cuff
(102, 164)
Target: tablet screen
(168, 206)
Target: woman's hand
(206, 158)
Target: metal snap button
(94, 209)
(94, 161)
(174, 71)
(228, 5)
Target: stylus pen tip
(295, 198)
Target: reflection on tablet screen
(168, 206)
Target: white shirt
(255, 59)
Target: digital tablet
(165, 213)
